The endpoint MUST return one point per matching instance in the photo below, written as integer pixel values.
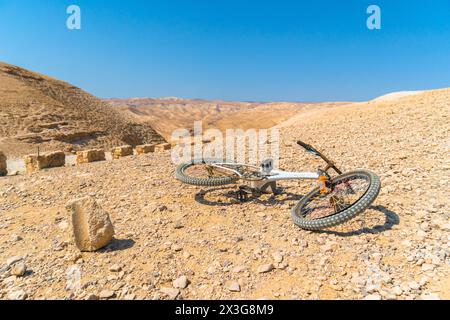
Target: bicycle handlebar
(311, 149)
(308, 148)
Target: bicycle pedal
(242, 194)
(277, 191)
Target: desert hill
(167, 114)
(39, 110)
(396, 95)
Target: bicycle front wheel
(352, 194)
(201, 173)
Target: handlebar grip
(309, 148)
(304, 145)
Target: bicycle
(334, 201)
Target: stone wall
(122, 151)
(35, 163)
(3, 169)
(88, 156)
(146, 148)
(163, 147)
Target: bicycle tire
(205, 182)
(345, 215)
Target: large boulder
(34, 162)
(88, 156)
(92, 227)
(122, 151)
(3, 166)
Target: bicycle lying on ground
(334, 201)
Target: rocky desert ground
(174, 241)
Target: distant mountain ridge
(167, 114)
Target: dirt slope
(36, 109)
(168, 114)
(396, 95)
(399, 249)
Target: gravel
(398, 249)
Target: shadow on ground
(391, 219)
(227, 196)
(118, 245)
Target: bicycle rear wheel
(201, 173)
(352, 193)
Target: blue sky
(232, 50)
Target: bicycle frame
(286, 175)
(273, 176)
(265, 175)
(278, 175)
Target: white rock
(239, 269)
(171, 293)
(421, 234)
(107, 294)
(406, 243)
(425, 226)
(181, 283)
(282, 265)
(414, 285)
(13, 260)
(427, 267)
(372, 288)
(176, 247)
(265, 268)
(397, 290)
(19, 269)
(115, 268)
(17, 295)
(16, 238)
(234, 287)
(63, 225)
(277, 257)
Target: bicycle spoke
(205, 171)
(345, 193)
